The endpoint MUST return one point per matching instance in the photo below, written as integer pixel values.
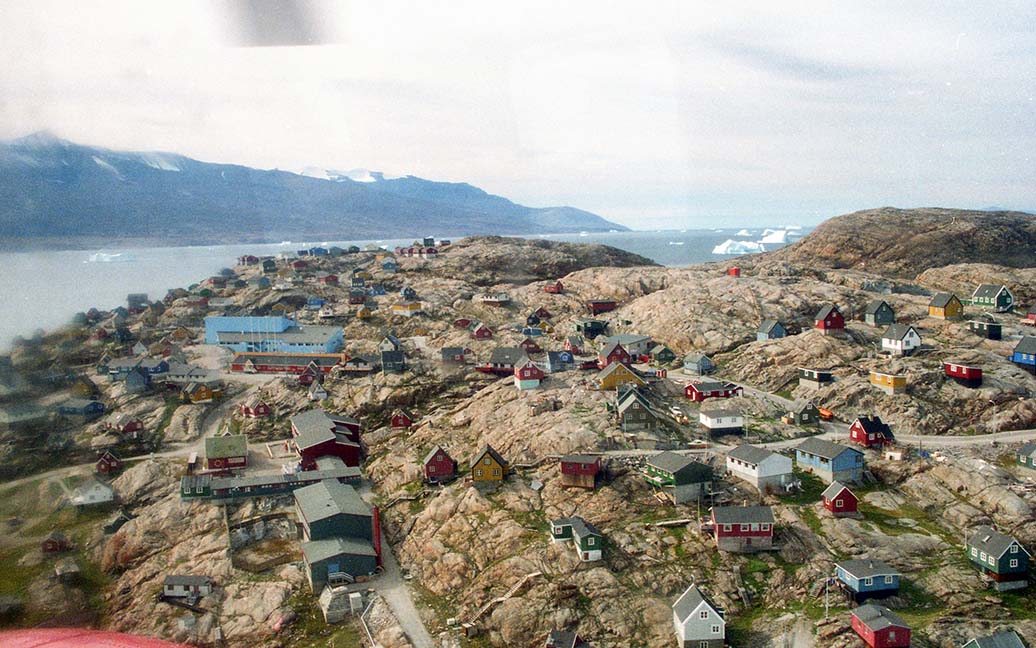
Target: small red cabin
(529, 346)
(574, 345)
(613, 353)
(542, 313)
(699, 391)
(598, 306)
(734, 271)
(870, 432)
(839, 500)
(439, 466)
(328, 279)
(880, 627)
(555, 288)
(299, 265)
(579, 470)
(528, 371)
(829, 319)
(254, 407)
(402, 418)
(967, 375)
(124, 424)
(108, 463)
(461, 323)
(482, 332)
(55, 542)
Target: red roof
(78, 638)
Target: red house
(574, 344)
(734, 271)
(555, 288)
(598, 306)
(439, 466)
(699, 391)
(299, 265)
(309, 375)
(124, 424)
(743, 529)
(529, 346)
(248, 259)
(840, 500)
(542, 313)
(967, 375)
(402, 418)
(55, 542)
(461, 323)
(108, 463)
(482, 332)
(330, 279)
(611, 353)
(316, 434)
(254, 407)
(880, 627)
(579, 470)
(829, 320)
(870, 432)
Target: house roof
(800, 406)
(228, 445)
(988, 291)
(580, 527)
(864, 568)
(610, 346)
(768, 325)
(507, 355)
(898, 332)
(988, 539)
(834, 489)
(878, 617)
(1028, 450)
(941, 299)
(575, 340)
(983, 318)
(751, 454)
(562, 639)
(822, 448)
(1026, 345)
(186, 580)
(824, 311)
(318, 550)
(627, 338)
(669, 461)
(875, 305)
(743, 515)
(578, 458)
(710, 385)
(308, 334)
(1007, 639)
(630, 396)
(329, 498)
(616, 367)
(716, 413)
(492, 453)
(689, 601)
(432, 453)
(696, 357)
(313, 427)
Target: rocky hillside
(905, 242)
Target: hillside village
(501, 442)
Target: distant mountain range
(55, 193)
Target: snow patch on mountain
(107, 167)
(159, 161)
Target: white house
(698, 623)
(721, 421)
(760, 467)
(900, 339)
(91, 493)
(635, 344)
(183, 586)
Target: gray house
(635, 412)
(698, 622)
(698, 364)
(879, 313)
(770, 329)
(337, 530)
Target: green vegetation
(812, 488)
(310, 631)
(809, 516)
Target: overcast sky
(650, 114)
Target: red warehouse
(598, 306)
(743, 529)
(315, 435)
(967, 375)
(699, 391)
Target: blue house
(314, 303)
(867, 579)
(1025, 354)
(80, 407)
(830, 461)
(770, 330)
(389, 265)
(319, 251)
(560, 361)
(376, 289)
(408, 293)
(532, 331)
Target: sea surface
(43, 290)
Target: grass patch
(809, 516)
(812, 488)
(311, 631)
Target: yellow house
(200, 392)
(363, 313)
(406, 309)
(946, 306)
(617, 374)
(488, 466)
(889, 383)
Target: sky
(654, 115)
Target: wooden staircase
(500, 599)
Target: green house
(1027, 455)
(587, 540)
(1001, 557)
(993, 297)
(662, 354)
(671, 469)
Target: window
(478, 473)
(982, 556)
(703, 644)
(1014, 562)
(726, 527)
(974, 552)
(838, 503)
(704, 614)
(868, 581)
(590, 542)
(892, 635)
(486, 461)
(765, 526)
(889, 580)
(755, 526)
(744, 527)
(1014, 548)
(992, 561)
(715, 629)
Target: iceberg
(743, 232)
(105, 257)
(775, 236)
(730, 246)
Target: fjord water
(43, 290)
